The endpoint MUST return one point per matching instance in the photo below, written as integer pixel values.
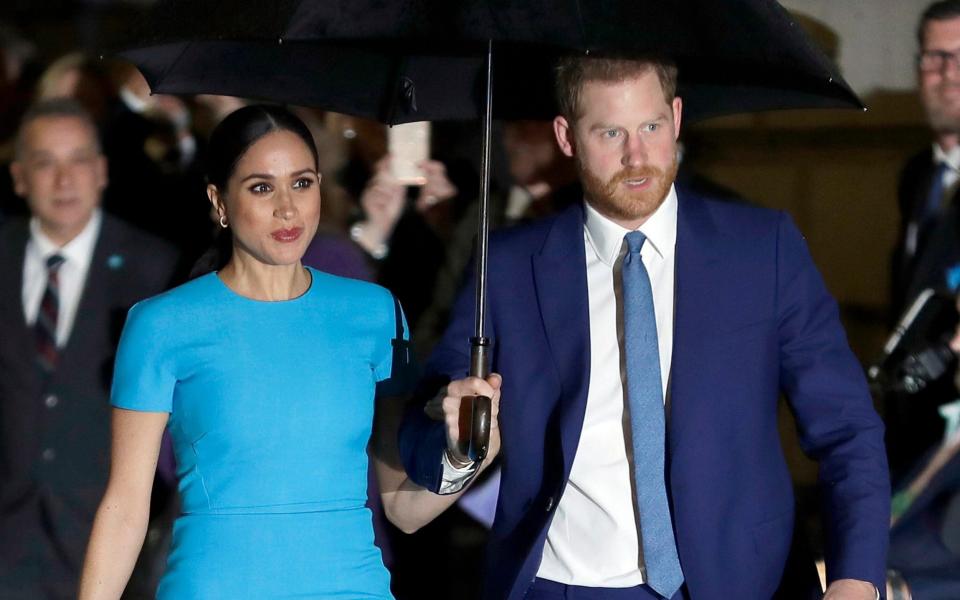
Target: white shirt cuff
(455, 478)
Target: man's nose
(634, 152)
(950, 69)
(63, 176)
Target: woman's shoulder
(348, 288)
(179, 302)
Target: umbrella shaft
(483, 233)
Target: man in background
(68, 275)
(929, 239)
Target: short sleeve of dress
(143, 377)
(395, 370)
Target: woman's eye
(260, 188)
(302, 183)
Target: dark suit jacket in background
(753, 317)
(913, 423)
(47, 503)
(936, 248)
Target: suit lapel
(99, 288)
(560, 275)
(698, 277)
(18, 340)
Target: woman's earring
(223, 221)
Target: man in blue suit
(643, 338)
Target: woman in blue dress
(265, 373)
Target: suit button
(549, 503)
(49, 454)
(51, 401)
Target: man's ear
(103, 172)
(18, 176)
(564, 134)
(677, 116)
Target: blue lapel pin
(114, 261)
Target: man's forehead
(54, 124)
(942, 32)
(629, 94)
(50, 130)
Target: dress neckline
(310, 271)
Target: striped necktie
(648, 423)
(45, 329)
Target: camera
(918, 351)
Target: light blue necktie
(648, 423)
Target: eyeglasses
(933, 61)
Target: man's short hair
(54, 108)
(942, 10)
(573, 72)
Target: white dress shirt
(72, 274)
(951, 176)
(593, 540)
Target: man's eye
(651, 127)
(611, 133)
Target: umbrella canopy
(416, 60)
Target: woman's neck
(253, 279)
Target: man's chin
(632, 207)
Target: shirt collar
(951, 158)
(660, 230)
(78, 251)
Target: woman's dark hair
(229, 141)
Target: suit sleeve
(837, 423)
(423, 440)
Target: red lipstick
(287, 235)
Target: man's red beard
(617, 202)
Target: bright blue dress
(271, 407)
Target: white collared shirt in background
(951, 175)
(593, 539)
(72, 274)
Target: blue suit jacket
(753, 317)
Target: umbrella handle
(475, 446)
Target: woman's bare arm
(406, 504)
(121, 522)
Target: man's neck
(947, 141)
(60, 236)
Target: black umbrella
(416, 60)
